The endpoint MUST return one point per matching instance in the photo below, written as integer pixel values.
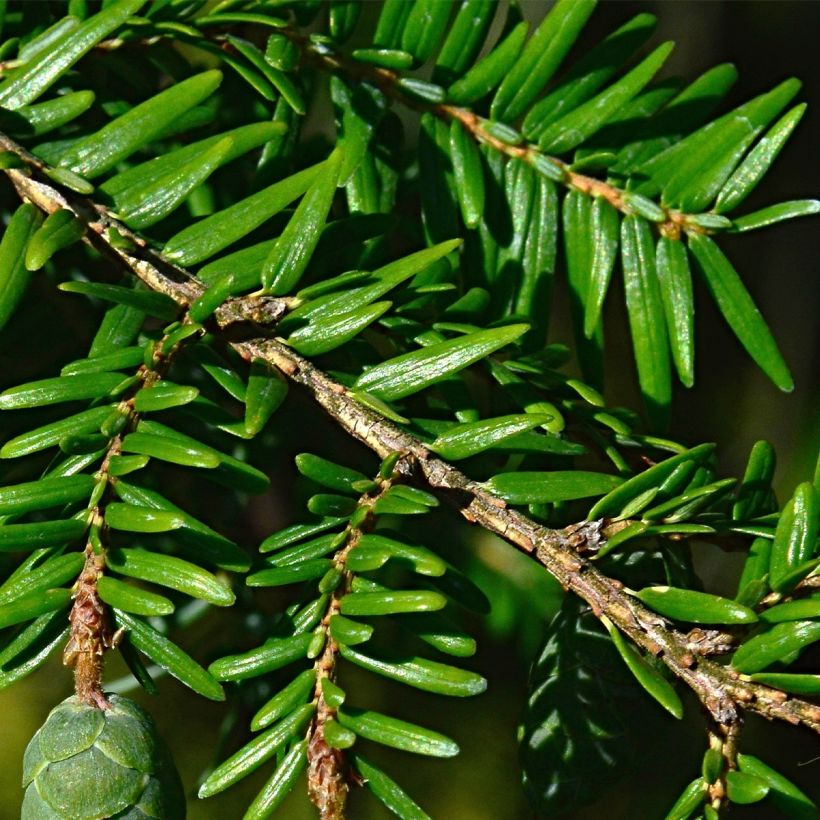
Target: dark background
(732, 403)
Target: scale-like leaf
(14, 275)
(486, 74)
(546, 488)
(540, 58)
(290, 255)
(399, 734)
(411, 372)
(217, 231)
(99, 152)
(147, 302)
(739, 310)
(42, 71)
(169, 656)
(646, 318)
(578, 125)
(170, 571)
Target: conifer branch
(721, 690)
(670, 222)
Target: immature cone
(86, 763)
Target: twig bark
(721, 690)
(329, 775)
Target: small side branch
(91, 634)
(329, 775)
(671, 223)
(134, 254)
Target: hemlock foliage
(173, 182)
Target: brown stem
(721, 690)
(159, 274)
(91, 634)
(672, 225)
(329, 774)
(723, 738)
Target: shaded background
(732, 403)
